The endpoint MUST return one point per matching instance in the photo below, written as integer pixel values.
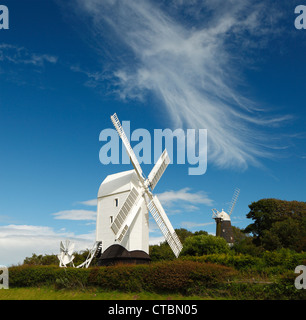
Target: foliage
(176, 276)
(270, 248)
(163, 252)
(172, 277)
(278, 224)
(41, 260)
(204, 244)
(268, 262)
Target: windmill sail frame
(126, 215)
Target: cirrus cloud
(191, 65)
(75, 215)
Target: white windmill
(124, 202)
(66, 254)
(223, 220)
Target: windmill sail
(127, 145)
(234, 200)
(165, 226)
(66, 253)
(125, 210)
(158, 169)
(122, 232)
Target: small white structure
(113, 193)
(66, 254)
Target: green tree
(204, 244)
(36, 260)
(161, 252)
(285, 233)
(183, 234)
(278, 224)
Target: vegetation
(260, 264)
(49, 293)
(278, 224)
(174, 277)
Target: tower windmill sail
(129, 223)
(234, 200)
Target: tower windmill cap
(224, 216)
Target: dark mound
(117, 254)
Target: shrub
(204, 244)
(175, 276)
(27, 276)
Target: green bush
(175, 276)
(238, 261)
(180, 276)
(269, 262)
(186, 276)
(204, 244)
(286, 258)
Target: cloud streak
(190, 224)
(191, 65)
(184, 198)
(75, 215)
(20, 55)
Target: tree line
(276, 224)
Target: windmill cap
(223, 216)
(117, 183)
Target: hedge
(183, 277)
(270, 262)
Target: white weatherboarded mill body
(113, 193)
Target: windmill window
(116, 202)
(111, 219)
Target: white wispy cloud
(75, 215)
(91, 202)
(156, 240)
(184, 199)
(190, 224)
(191, 64)
(19, 55)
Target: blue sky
(235, 69)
